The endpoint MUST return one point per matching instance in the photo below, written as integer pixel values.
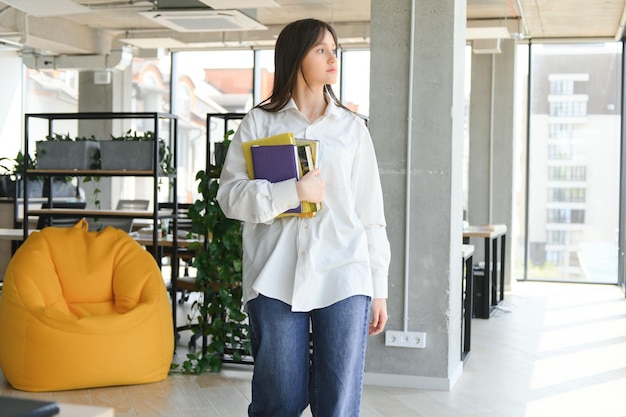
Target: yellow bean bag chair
(82, 309)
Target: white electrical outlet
(415, 340)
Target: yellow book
(314, 144)
(307, 163)
(286, 138)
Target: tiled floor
(558, 351)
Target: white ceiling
(63, 27)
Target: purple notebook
(276, 163)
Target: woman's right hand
(311, 187)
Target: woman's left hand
(379, 316)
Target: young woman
(324, 276)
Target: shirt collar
(331, 109)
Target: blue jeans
(287, 377)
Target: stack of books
(282, 157)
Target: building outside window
(574, 162)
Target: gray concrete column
(421, 170)
(492, 130)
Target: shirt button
(306, 227)
(303, 253)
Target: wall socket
(416, 340)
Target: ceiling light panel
(45, 8)
(203, 20)
(240, 4)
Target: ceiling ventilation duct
(46, 8)
(486, 34)
(117, 59)
(486, 46)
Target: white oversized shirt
(310, 263)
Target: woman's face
(319, 66)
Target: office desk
(12, 406)
(12, 234)
(167, 242)
(77, 410)
(467, 297)
(493, 285)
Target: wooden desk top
(13, 234)
(167, 241)
(485, 231)
(76, 410)
(18, 234)
(467, 251)
(140, 214)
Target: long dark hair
(293, 43)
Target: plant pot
(38, 188)
(67, 154)
(35, 188)
(220, 154)
(119, 154)
(8, 186)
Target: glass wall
(573, 170)
(205, 82)
(355, 82)
(208, 82)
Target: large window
(574, 148)
(205, 82)
(355, 81)
(50, 91)
(264, 75)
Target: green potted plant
(11, 174)
(4, 168)
(63, 152)
(218, 262)
(135, 151)
(7, 179)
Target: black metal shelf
(155, 214)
